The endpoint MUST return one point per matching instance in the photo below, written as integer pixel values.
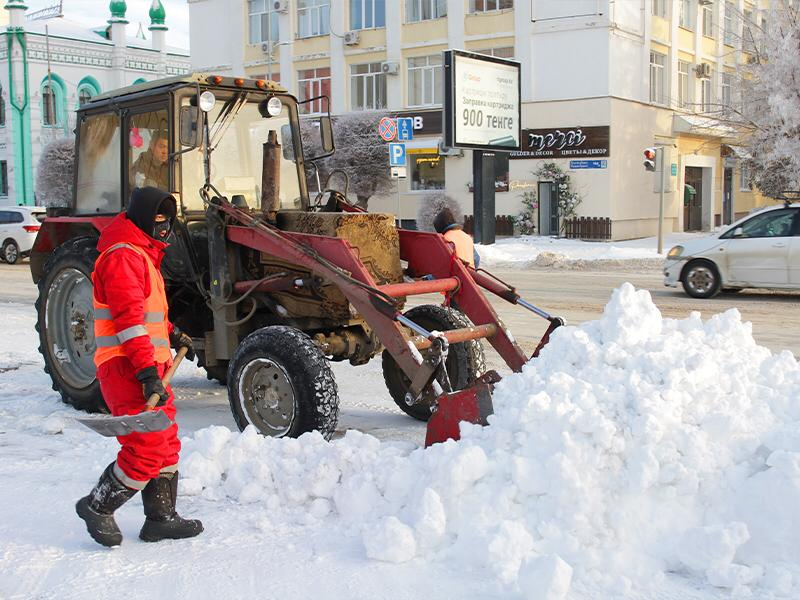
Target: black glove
(151, 384)
(179, 340)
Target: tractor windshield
(237, 133)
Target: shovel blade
(473, 405)
(145, 422)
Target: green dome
(157, 13)
(118, 9)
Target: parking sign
(397, 155)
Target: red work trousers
(143, 455)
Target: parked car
(18, 228)
(761, 250)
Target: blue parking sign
(397, 155)
(405, 129)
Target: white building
(623, 75)
(55, 66)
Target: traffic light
(650, 159)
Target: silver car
(761, 250)
(18, 228)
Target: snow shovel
(147, 421)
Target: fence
(588, 228)
(504, 225)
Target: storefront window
(427, 171)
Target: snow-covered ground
(638, 457)
(543, 251)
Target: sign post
(482, 113)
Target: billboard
(481, 101)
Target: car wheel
(701, 279)
(10, 252)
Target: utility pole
(661, 200)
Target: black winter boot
(162, 522)
(97, 509)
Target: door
(760, 255)
(548, 208)
(5, 224)
(727, 197)
(693, 199)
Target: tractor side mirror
(189, 126)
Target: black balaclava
(145, 204)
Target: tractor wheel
(465, 361)
(65, 322)
(280, 382)
(218, 372)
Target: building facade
(601, 81)
(52, 66)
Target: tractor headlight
(675, 252)
(207, 101)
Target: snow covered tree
(770, 105)
(54, 175)
(360, 152)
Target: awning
(738, 151)
(423, 146)
(704, 126)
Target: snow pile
(632, 448)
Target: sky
(96, 12)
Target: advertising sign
(564, 142)
(482, 101)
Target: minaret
(16, 14)
(158, 31)
(118, 36)
(20, 161)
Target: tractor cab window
(99, 189)
(238, 131)
(148, 150)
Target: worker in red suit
(133, 337)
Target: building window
(686, 19)
(427, 171)
(425, 80)
(49, 105)
(725, 82)
(423, 10)
(503, 52)
(744, 177)
(708, 20)
(479, 6)
(657, 89)
(367, 87)
(263, 21)
(728, 34)
(3, 178)
(313, 18)
(706, 95)
(749, 32)
(2, 108)
(367, 14)
(312, 83)
(684, 97)
(660, 8)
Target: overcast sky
(95, 12)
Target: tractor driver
(151, 168)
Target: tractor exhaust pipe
(271, 177)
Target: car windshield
(237, 132)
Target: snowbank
(634, 447)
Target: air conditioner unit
(703, 70)
(448, 151)
(265, 47)
(390, 68)
(352, 38)
(281, 6)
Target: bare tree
(360, 152)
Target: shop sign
(569, 142)
(427, 122)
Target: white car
(18, 228)
(761, 250)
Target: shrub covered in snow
(54, 176)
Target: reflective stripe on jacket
(465, 247)
(156, 326)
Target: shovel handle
(153, 400)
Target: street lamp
(269, 48)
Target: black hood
(146, 203)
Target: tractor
(271, 284)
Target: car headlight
(675, 252)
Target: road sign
(673, 170)
(399, 173)
(397, 155)
(387, 128)
(405, 129)
(588, 164)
